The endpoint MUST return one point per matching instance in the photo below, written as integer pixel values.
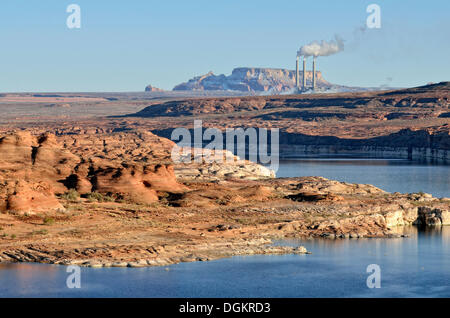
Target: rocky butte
(254, 80)
(150, 88)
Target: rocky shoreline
(410, 153)
(157, 256)
(212, 221)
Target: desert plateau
(88, 178)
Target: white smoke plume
(323, 48)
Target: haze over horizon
(124, 47)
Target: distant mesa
(260, 81)
(150, 88)
(249, 79)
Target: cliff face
(251, 79)
(433, 138)
(433, 144)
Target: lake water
(392, 175)
(418, 266)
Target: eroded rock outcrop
(433, 216)
(139, 184)
(30, 198)
(35, 168)
(30, 168)
(236, 168)
(135, 166)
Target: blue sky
(125, 45)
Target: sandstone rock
(329, 235)
(323, 185)
(34, 168)
(119, 264)
(32, 198)
(230, 168)
(151, 262)
(51, 162)
(431, 217)
(394, 218)
(301, 250)
(79, 183)
(31, 169)
(313, 197)
(410, 214)
(137, 183)
(139, 263)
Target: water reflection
(417, 266)
(25, 275)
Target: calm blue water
(418, 266)
(392, 175)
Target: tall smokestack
(304, 73)
(314, 74)
(296, 74)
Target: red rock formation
(33, 169)
(31, 198)
(137, 183)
